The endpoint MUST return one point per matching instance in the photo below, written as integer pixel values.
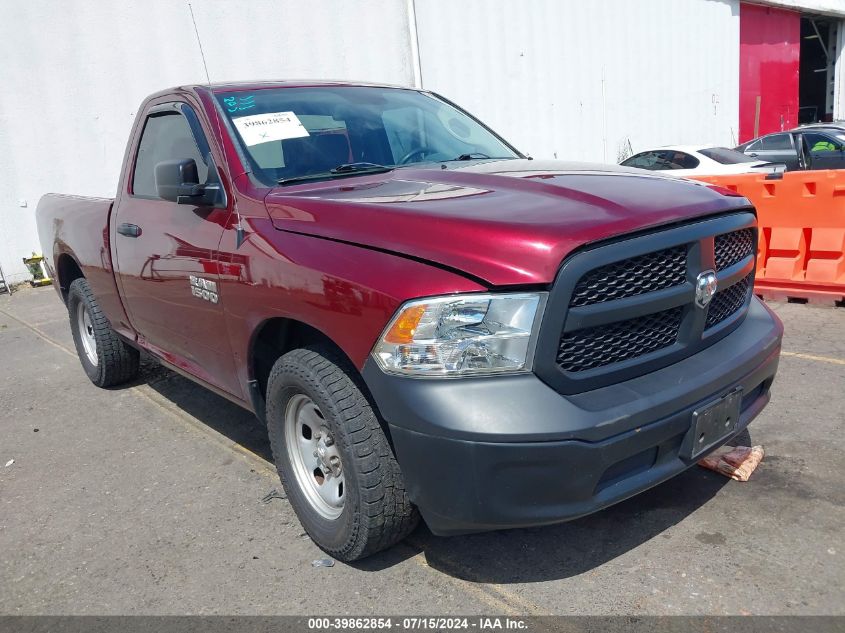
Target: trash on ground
(273, 494)
(323, 562)
(39, 272)
(736, 462)
(10, 462)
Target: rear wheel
(104, 356)
(333, 457)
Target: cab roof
(229, 86)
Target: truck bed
(83, 222)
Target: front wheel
(104, 356)
(333, 457)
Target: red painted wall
(769, 50)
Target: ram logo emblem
(705, 288)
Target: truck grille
(598, 340)
(600, 346)
(733, 247)
(631, 277)
(726, 302)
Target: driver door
(826, 152)
(166, 253)
(777, 148)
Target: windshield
(290, 133)
(727, 156)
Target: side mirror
(178, 181)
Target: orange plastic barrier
(801, 250)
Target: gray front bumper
(479, 453)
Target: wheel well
(67, 271)
(276, 338)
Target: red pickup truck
(429, 322)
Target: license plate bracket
(712, 423)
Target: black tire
(377, 512)
(117, 362)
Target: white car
(694, 160)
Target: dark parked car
(809, 147)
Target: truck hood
(505, 222)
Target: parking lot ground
(147, 499)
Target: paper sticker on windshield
(274, 126)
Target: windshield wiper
(471, 156)
(477, 156)
(346, 169)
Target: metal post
(413, 36)
(4, 285)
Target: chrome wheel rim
(86, 333)
(314, 457)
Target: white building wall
(74, 72)
(579, 80)
(564, 78)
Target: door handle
(753, 155)
(129, 230)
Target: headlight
(461, 335)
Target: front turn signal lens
(405, 325)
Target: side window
(682, 160)
(821, 143)
(777, 141)
(756, 145)
(644, 160)
(166, 136)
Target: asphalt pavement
(148, 499)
